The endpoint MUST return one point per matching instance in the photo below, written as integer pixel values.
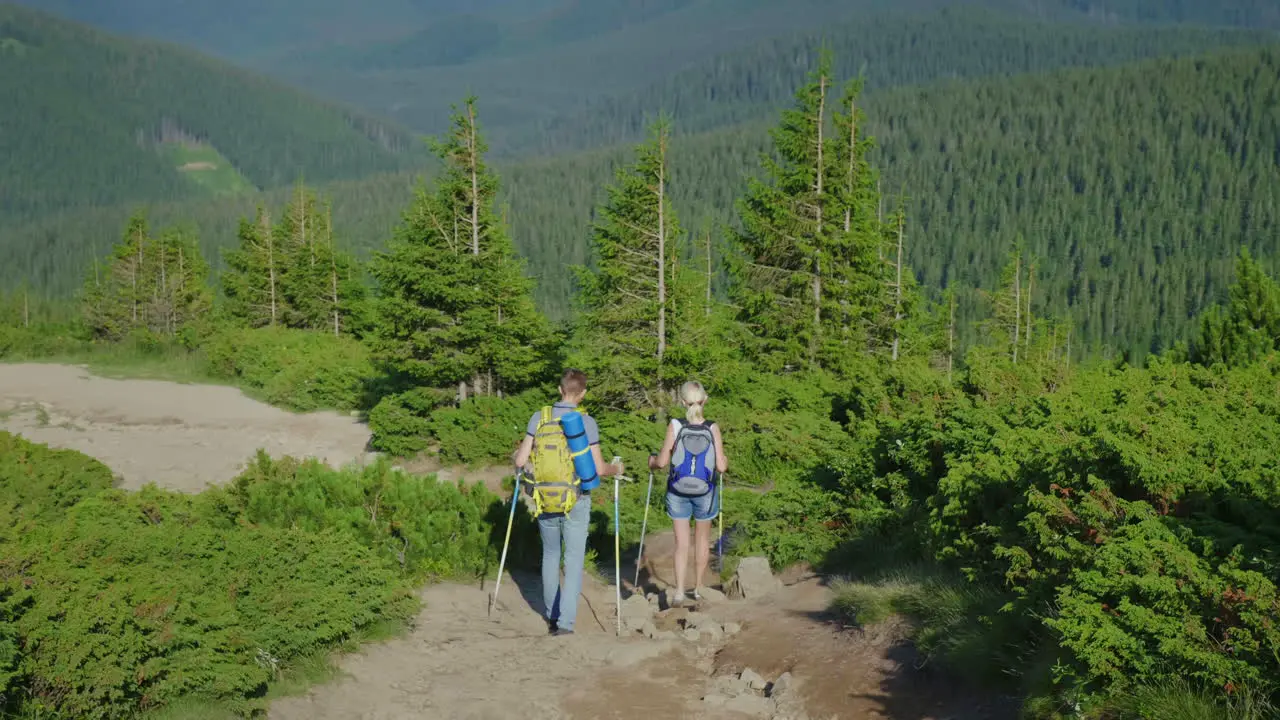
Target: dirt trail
(460, 663)
(181, 437)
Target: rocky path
(775, 655)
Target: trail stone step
(753, 579)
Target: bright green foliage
(427, 528)
(401, 423)
(38, 484)
(454, 307)
(150, 283)
(1138, 505)
(485, 428)
(112, 603)
(154, 604)
(1248, 329)
(630, 328)
(295, 369)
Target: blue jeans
(702, 508)
(561, 603)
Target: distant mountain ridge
(94, 119)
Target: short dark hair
(573, 381)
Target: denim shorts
(702, 508)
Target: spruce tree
(804, 272)
(251, 282)
(150, 282)
(1248, 328)
(628, 334)
(454, 307)
(293, 275)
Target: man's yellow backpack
(555, 483)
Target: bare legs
(682, 554)
(702, 553)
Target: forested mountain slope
(889, 49)
(551, 62)
(1132, 188)
(92, 119)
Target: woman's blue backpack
(693, 462)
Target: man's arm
(603, 469)
(521, 456)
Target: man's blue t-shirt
(560, 408)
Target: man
(570, 529)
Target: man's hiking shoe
(552, 627)
(561, 632)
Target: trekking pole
(617, 550)
(720, 538)
(644, 526)
(515, 499)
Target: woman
(695, 444)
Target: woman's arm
(722, 460)
(664, 455)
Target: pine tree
(251, 282)
(454, 306)
(154, 283)
(293, 275)
(627, 330)
(1248, 328)
(804, 273)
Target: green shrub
(1127, 517)
(39, 484)
(296, 369)
(483, 429)
(40, 342)
(401, 423)
(425, 527)
(136, 600)
(113, 603)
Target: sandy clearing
(180, 437)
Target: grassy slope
(82, 109)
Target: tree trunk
(475, 180)
(662, 256)
(1031, 279)
(333, 276)
(853, 144)
(462, 392)
(951, 339)
(26, 308)
(897, 290)
(1017, 305)
(817, 259)
(137, 267)
(708, 273)
(271, 266)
